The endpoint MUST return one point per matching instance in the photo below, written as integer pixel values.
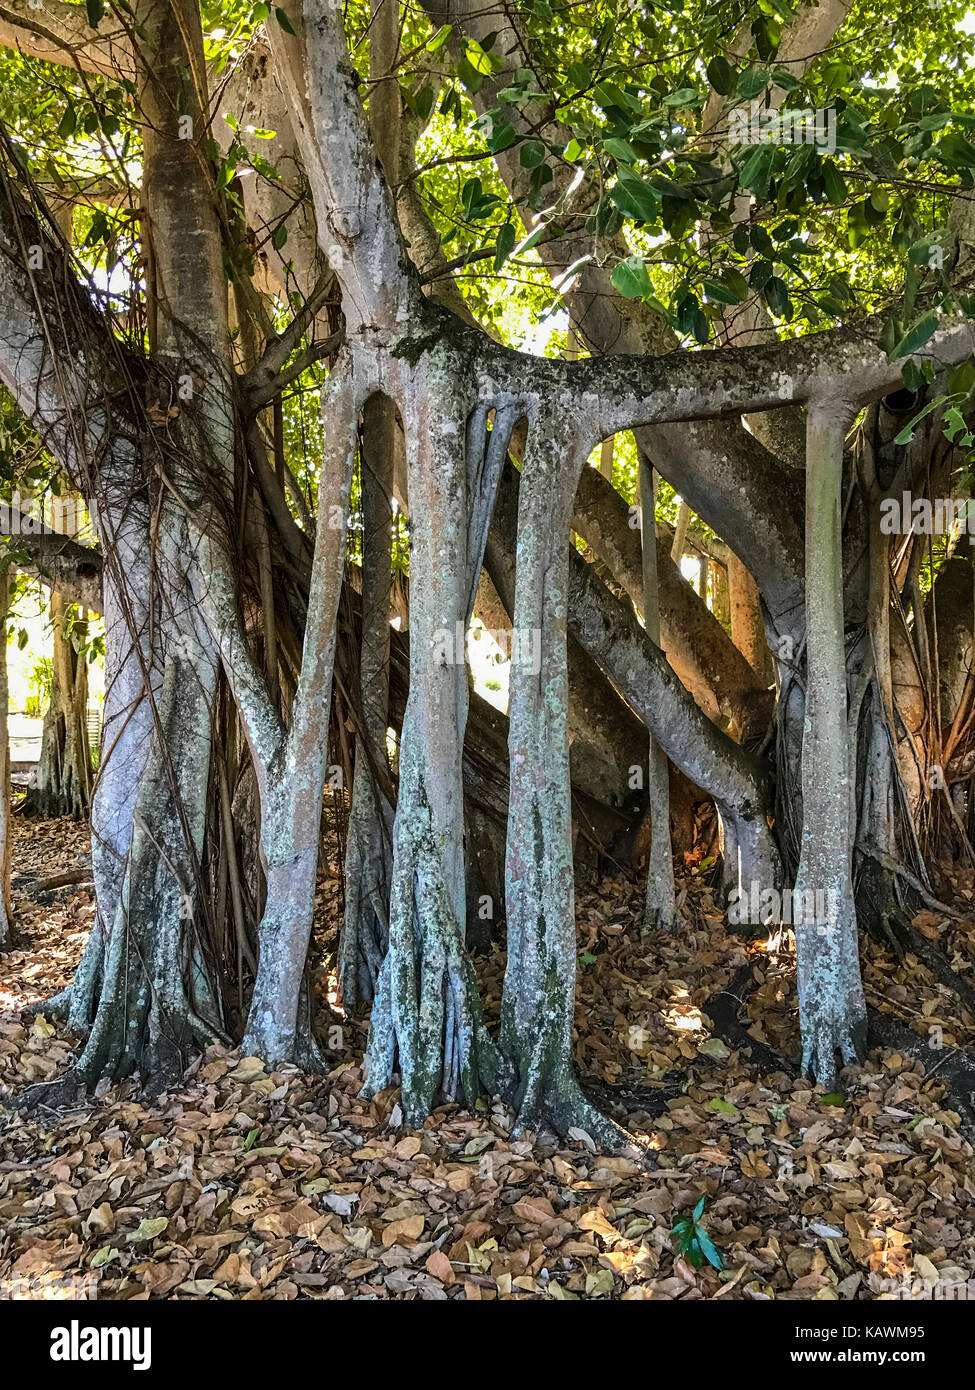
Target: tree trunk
(747, 625)
(365, 929)
(697, 646)
(831, 1004)
(539, 986)
(60, 784)
(368, 849)
(291, 769)
(661, 907)
(426, 1017)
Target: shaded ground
(243, 1184)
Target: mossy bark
(426, 1017)
(539, 987)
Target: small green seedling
(694, 1241)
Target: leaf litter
(240, 1183)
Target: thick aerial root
(826, 1034)
(832, 1011)
(426, 1017)
(77, 1004)
(556, 1101)
(365, 929)
(662, 918)
(144, 1023)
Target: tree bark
(426, 1017)
(747, 625)
(538, 1001)
(660, 909)
(831, 1005)
(365, 928)
(368, 851)
(60, 784)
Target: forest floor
(243, 1184)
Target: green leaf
(481, 62)
(736, 282)
(833, 1099)
(776, 294)
(94, 10)
(150, 1228)
(667, 187)
(284, 22)
(631, 278)
(834, 182)
(723, 1107)
(751, 83)
(761, 241)
(700, 326)
(635, 197)
(531, 154)
(757, 170)
(956, 430)
(962, 379)
(785, 79)
(440, 38)
(622, 152)
(916, 336)
(953, 149)
(608, 94)
(907, 433)
(708, 1248)
(502, 136)
(423, 101)
(721, 76)
(721, 294)
(684, 96)
(505, 244)
(68, 123)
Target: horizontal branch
(60, 33)
(611, 394)
(56, 561)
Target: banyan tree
(783, 406)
